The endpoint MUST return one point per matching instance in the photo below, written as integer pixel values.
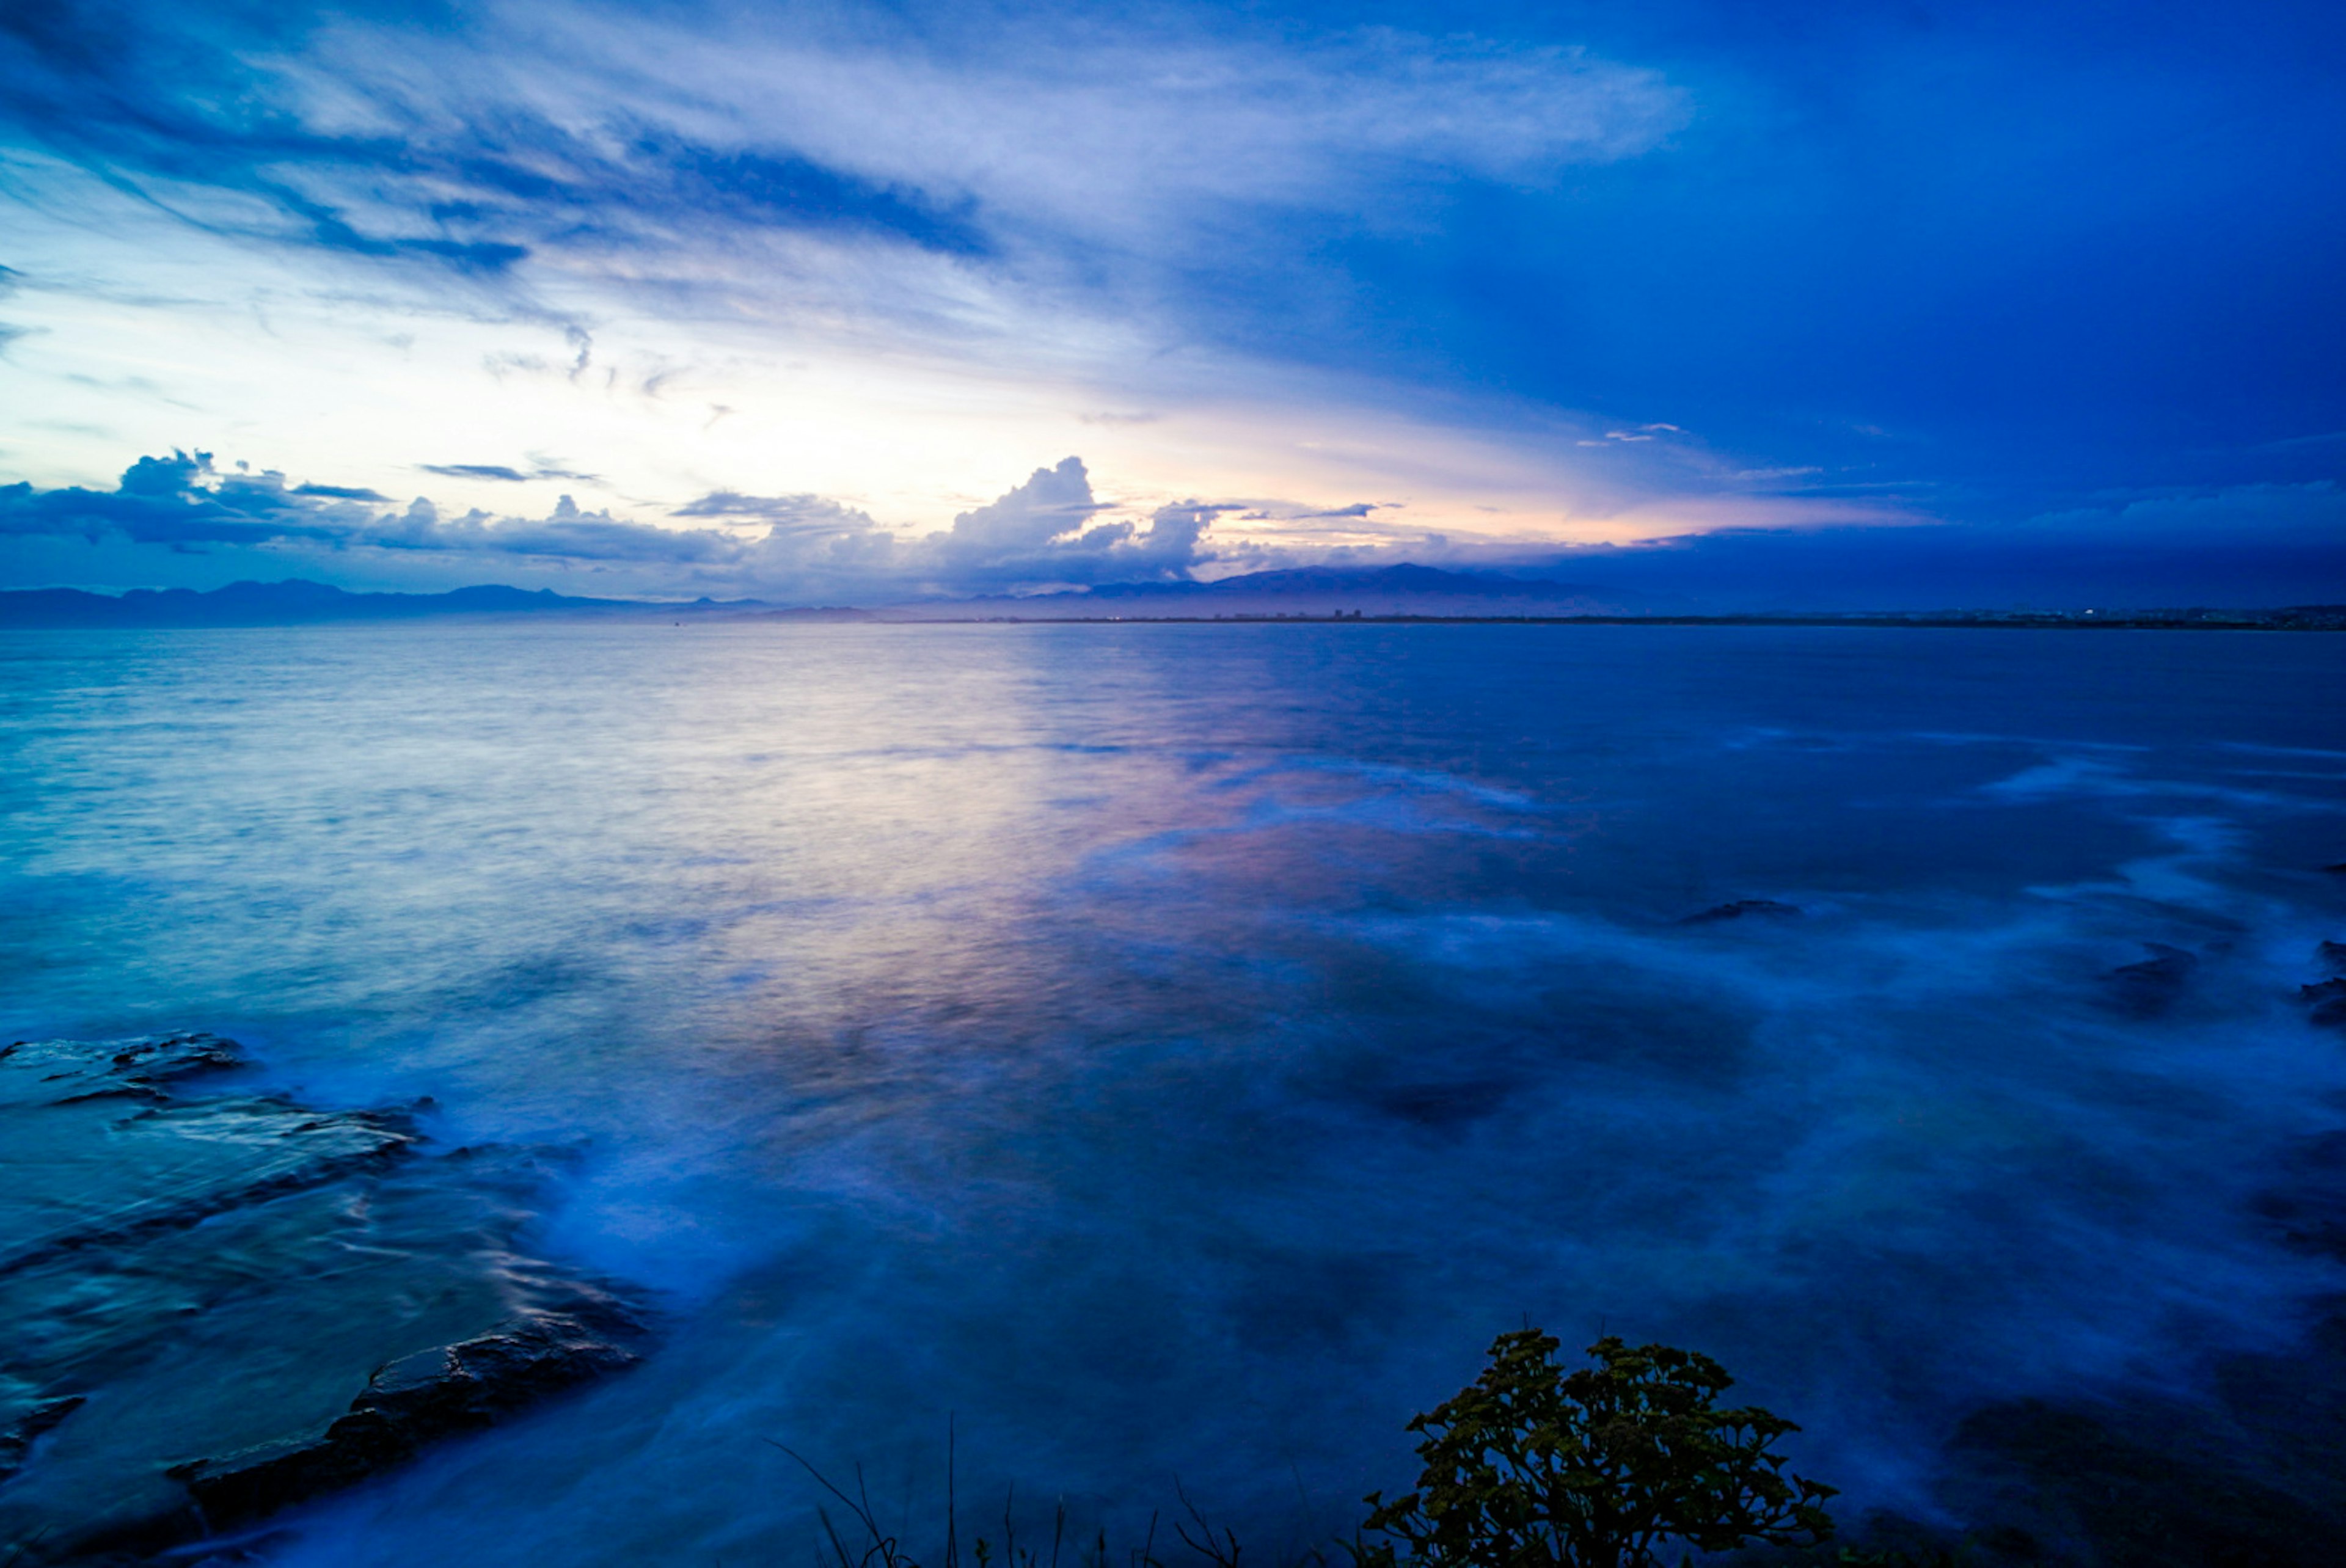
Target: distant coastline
(1394, 596)
(2303, 619)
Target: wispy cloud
(475, 470)
(796, 512)
(694, 201)
(502, 474)
(613, 139)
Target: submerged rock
(221, 1303)
(2235, 1466)
(2325, 1003)
(2147, 989)
(2332, 955)
(33, 1417)
(1744, 909)
(2146, 1484)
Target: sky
(1884, 304)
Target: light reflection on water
(1178, 1050)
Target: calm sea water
(1175, 1051)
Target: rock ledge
(221, 1303)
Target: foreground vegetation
(1610, 1465)
(1605, 1467)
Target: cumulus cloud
(1051, 503)
(1041, 533)
(2281, 544)
(182, 502)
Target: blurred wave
(1178, 1050)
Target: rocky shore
(220, 1303)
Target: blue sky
(1771, 303)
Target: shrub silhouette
(1530, 1467)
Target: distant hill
(298, 603)
(1312, 591)
(1403, 590)
(1356, 581)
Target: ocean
(1169, 1055)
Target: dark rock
(16, 1438)
(2243, 1469)
(2148, 1486)
(2149, 987)
(1441, 1104)
(141, 1067)
(417, 1400)
(2332, 955)
(2307, 1204)
(108, 1154)
(218, 1303)
(2325, 1002)
(1742, 908)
